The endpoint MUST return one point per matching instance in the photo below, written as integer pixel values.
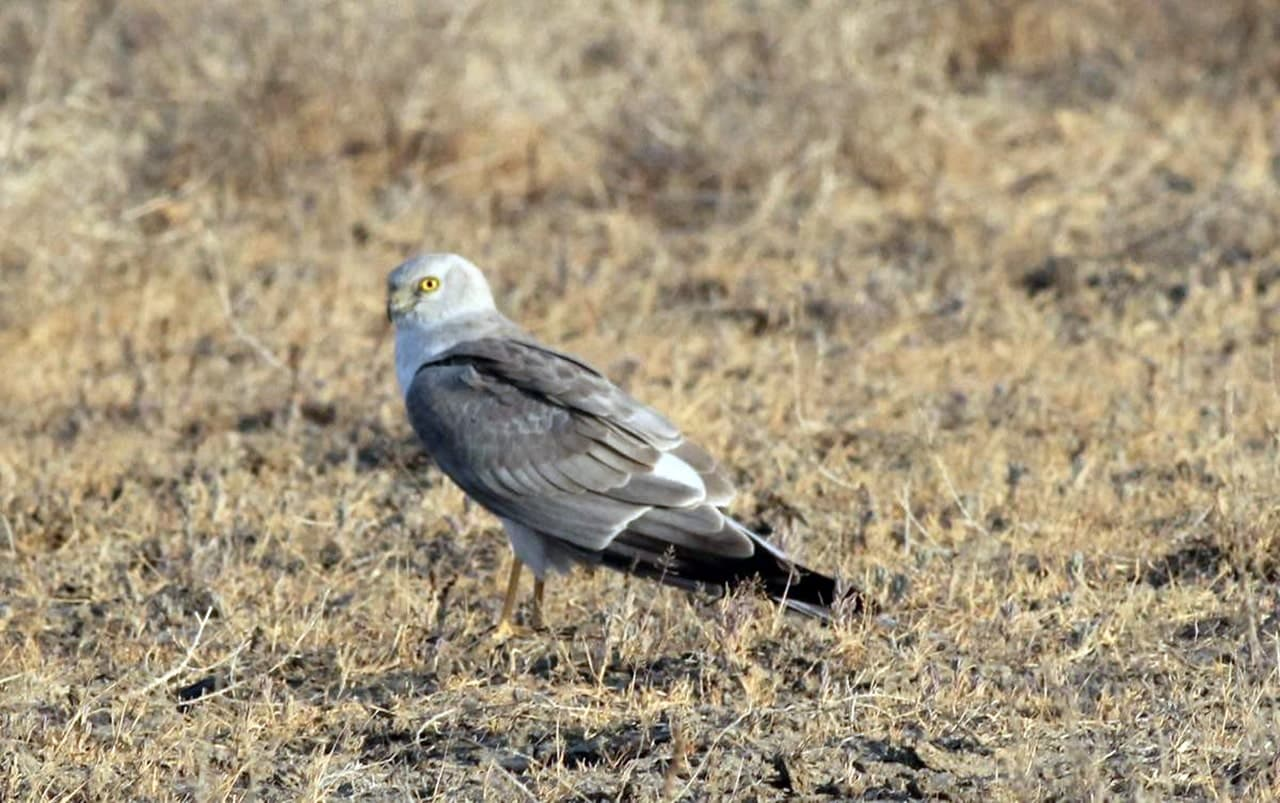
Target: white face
(435, 288)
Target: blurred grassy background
(979, 299)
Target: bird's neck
(417, 345)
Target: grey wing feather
(544, 440)
(487, 446)
(720, 491)
(570, 382)
(614, 419)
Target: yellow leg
(539, 586)
(508, 605)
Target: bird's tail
(799, 588)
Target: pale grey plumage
(540, 439)
(576, 469)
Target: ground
(979, 300)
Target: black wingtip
(768, 570)
(798, 587)
(809, 592)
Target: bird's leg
(506, 628)
(539, 586)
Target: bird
(577, 471)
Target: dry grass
(979, 298)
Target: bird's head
(431, 289)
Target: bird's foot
(506, 630)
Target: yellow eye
(430, 284)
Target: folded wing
(544, 440)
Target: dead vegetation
(979, 298)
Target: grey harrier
(576, 469)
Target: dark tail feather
(800, 589)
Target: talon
(507, 630)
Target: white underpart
(670, 467)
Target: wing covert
(543, 440)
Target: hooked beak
(399, 301)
